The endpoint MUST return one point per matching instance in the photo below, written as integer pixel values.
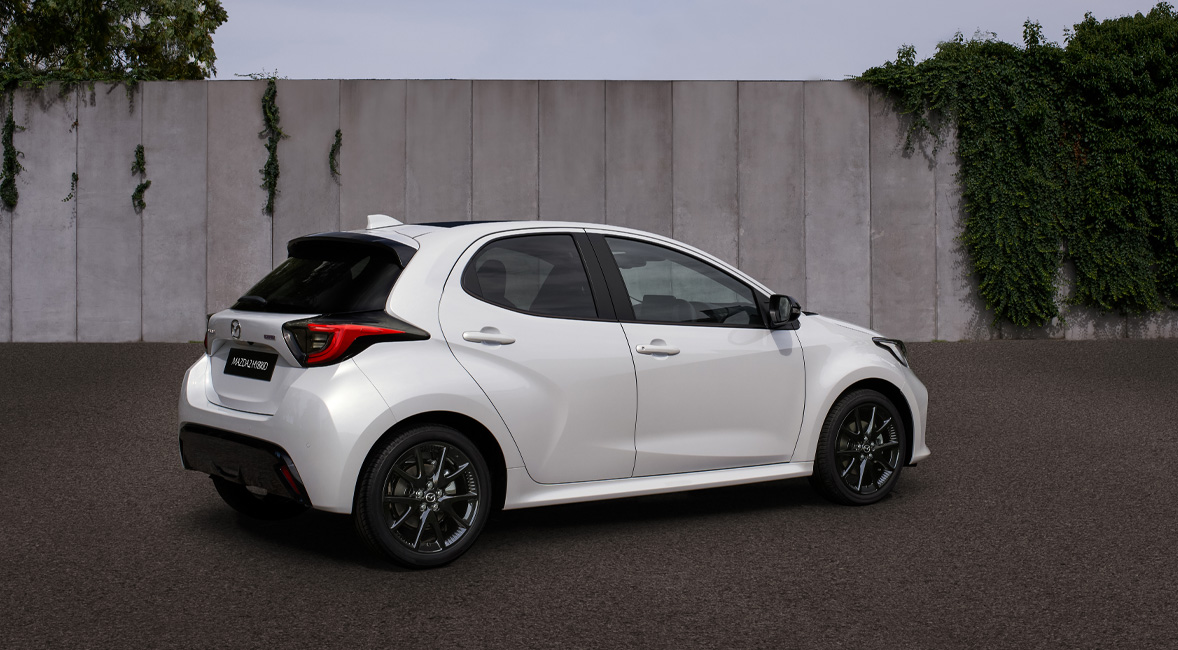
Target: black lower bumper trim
(241, 459)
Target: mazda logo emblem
(235, 329)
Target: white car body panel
(688, 421)
(328, 419)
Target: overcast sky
(613, 39)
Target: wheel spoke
(397, 524)
(390, 498)
(452, 476)
(846, 452)
(871, 423)
(421, 528)
(846, 471)
(449, 510)
(436, 523)
(466, 496)
(887, 445)
(890, 468)
(441, 463)
(862, 466)
(405, 475)
(420, 462)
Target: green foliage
(139, 168)
(1067, 155)
(73, 41)
(73, 188)
(333, 155)
(273, 133)
(12, 166)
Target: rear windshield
(326, 277)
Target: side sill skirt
(523, 492)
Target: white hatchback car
(421, 376)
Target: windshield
(325, 277)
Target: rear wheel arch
(474, 430)
(894, 394)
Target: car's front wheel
(423, 497)
(862, 448)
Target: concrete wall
(804, 185)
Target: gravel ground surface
(1046, 517)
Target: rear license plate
(250, 363)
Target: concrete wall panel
(372, 156)
(5, 274)
(175, 130)
(44, 231)
(110, 232)
(505, 162)
(240, 246)
(1155, 326)
(438, 156)
(772, 211)
(572, 150)
(961, 312)
(838, 200)
(705, 179)
(308, 195)
(5, 258)
(903, 229)
(638, 169)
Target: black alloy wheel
(861, 450)
(423, 499)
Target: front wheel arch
(478, 434)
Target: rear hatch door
(254, 362)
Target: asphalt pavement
(1046, 517)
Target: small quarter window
(537, 274)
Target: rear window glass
(326, 277)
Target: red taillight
(329, 339)
(341, 336)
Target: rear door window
(537, 274)
(324, 277)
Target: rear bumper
(241, 459)
(324, 426)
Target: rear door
(523, 316)
(717, 388)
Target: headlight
(895, 346)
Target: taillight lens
(328, 339)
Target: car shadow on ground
(332, 537)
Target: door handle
(657, 349)
(487, 337)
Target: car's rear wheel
(861, 450)
(258, 505)
(423, 497)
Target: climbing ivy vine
(1068, 154)
(272, 132)
(11, 166)
(333, 155)
(139, 168)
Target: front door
(716, 388)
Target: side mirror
(783, 312)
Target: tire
(265, 506)
(862, 448)
(423, 497)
